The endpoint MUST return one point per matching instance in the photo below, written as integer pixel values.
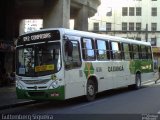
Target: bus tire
(91, 90)
(138, 81)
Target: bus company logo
(89, 69)
(115, 68)
(35, 87)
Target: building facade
(135, 19)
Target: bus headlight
(18, 85)
(54, 85)
(18, 78)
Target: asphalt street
(120, 101)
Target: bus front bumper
(49, 94)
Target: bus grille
(41, 87)
(36, 81)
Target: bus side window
(76, 54)
(131, 51)
(136, 52)
(102, 50)
(143, 52)
(149, 53)
(72, 50)
(126, 50)
(116, 50)
(88, 49)
(68, 48)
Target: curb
(18, 104)
(148, 81)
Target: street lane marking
(149, 83)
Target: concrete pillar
(58, 15)
(9, 20)
(21, 27)
(81, 20)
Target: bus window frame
(107, 49)
(143, 52)
(149, 53)
(83, 49)
(119, 49)
(64, 55)
(139, 54)
(129, 52)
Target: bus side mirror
(69, 48)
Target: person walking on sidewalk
(158, 75)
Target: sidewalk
(9, 99)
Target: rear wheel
(91, 90)
(138, 84)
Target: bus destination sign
(40, 36)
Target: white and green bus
(58, 64)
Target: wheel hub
(91, 90)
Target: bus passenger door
(72, 60)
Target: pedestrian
(158, 75)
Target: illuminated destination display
(39, 37)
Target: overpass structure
(55, 13)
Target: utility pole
(146, 33)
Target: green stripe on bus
(144, 66)
(88, 70)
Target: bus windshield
(38, 59)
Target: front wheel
(91, 90)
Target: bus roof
(103, 36)
(92, 35)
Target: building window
(108, 26)
(153, 26)
(96, 26)
(131, 11)
(124, 26)
(154, 11)
(131, 26)
(138, 11)
(138, 26)
(124, 11)
(154, 41)
(109, 11)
